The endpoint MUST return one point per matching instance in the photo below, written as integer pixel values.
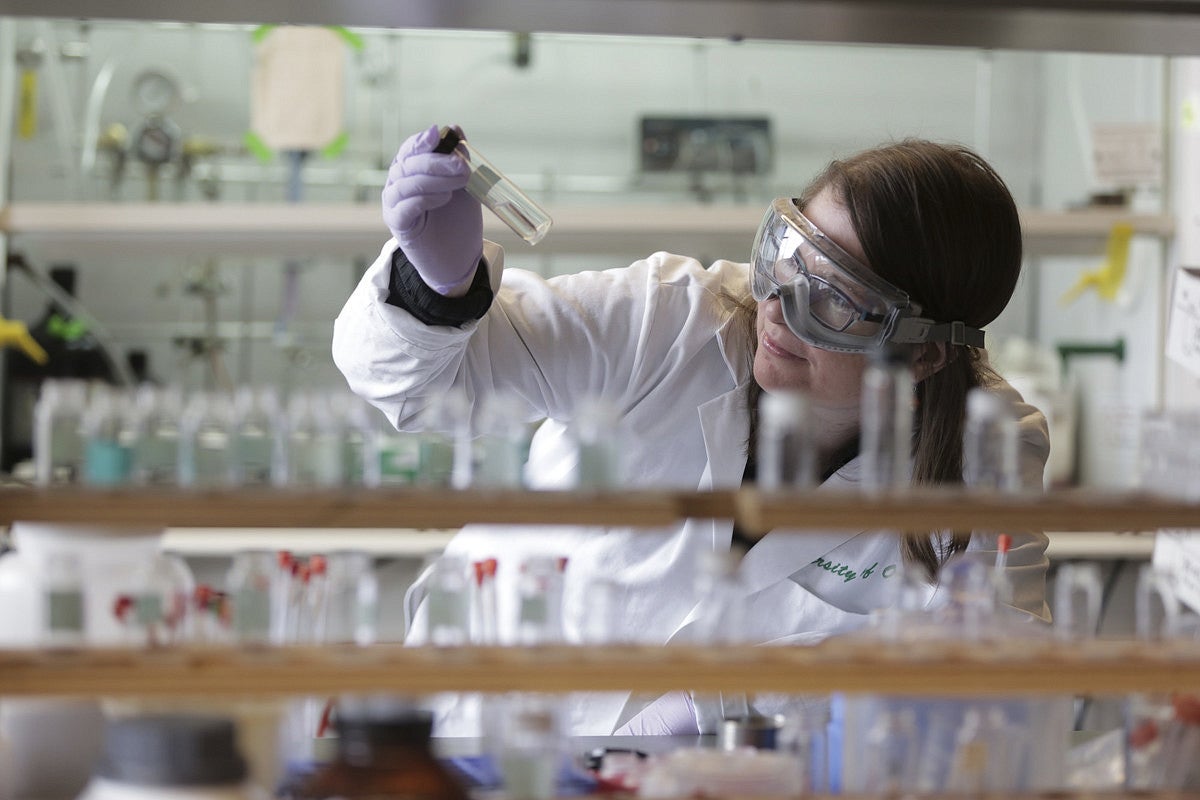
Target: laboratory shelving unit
(975, 667)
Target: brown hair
(938, 222)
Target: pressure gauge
(154, 92)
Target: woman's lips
(774, 347)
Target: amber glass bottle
(384, 757)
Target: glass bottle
(503, 444)
(182, 756)
(205, 453)
(250, 585)
(445, 455)
(990, 443)
(255, 415)
(540, 600)
(57, 432)
(363, 442)
(785, 452)
(887, 420)
(595, 430)
(106, 460)
(65, 612)
(386, 755)
(315, 454)
(155, 443)
(448, 599)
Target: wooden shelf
(328, 228)
(1060, 511)
(850, 665)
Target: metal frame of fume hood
(1159, 27)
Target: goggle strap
(956, 333)
(915, 330)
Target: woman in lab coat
(914, 244)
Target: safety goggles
(829, 298)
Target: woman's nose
(772, 309)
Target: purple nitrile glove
(426, 207)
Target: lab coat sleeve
(549, 342)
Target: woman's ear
(928, 358)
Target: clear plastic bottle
(990, 443)
(57, 433)
(351, 608)
(887, 420)
(785, 454)
(491, 187)
(205, 442)
(106, 460)
(380, 756)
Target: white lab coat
(660, 337)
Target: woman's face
(832, 380)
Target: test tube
(491, 187)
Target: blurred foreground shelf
(339, 228)
(441, 509)
(1018, 666)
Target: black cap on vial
(172, 750)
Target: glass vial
(492, 188)
(990, 442)
(785, 452)
(887, 420)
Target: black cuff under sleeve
(406, 290)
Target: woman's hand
(426, 207)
